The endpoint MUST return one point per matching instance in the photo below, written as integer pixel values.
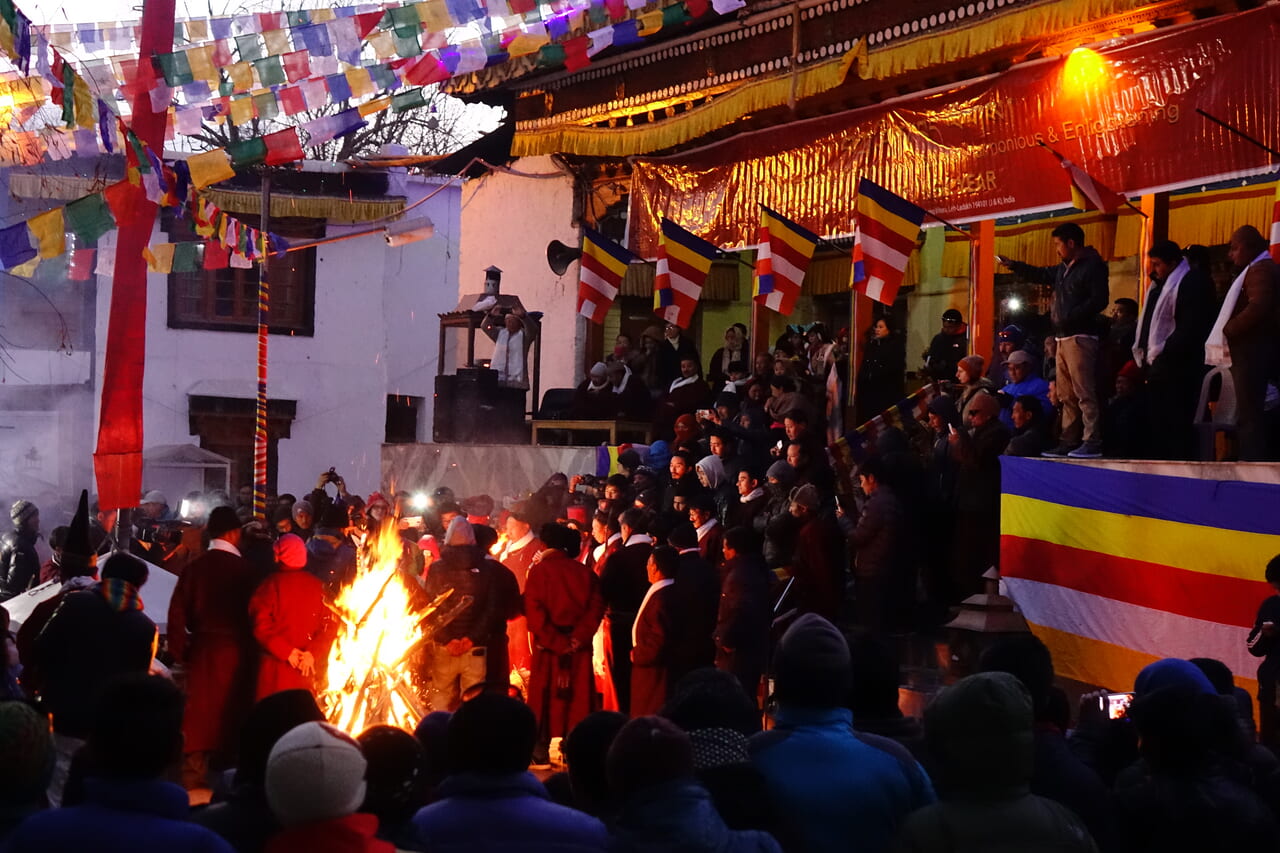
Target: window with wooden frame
(227, 299)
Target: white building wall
(376, 333)
(507, 221)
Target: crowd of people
(708, 634)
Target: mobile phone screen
(1116, 705)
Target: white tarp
(156, 593)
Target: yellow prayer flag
(525, 44)
(377, 105)
(241, 76)
(242, 110)
(383, 44)
(201, 61)
(434, 15)
(198, 30)
(6, 38)
(277, 42)
(60, 38)
(359, 81)
(650, 23)
(320, 16)
(49, 231)
(159, 257)
(86, 105)
(210, 167)
(26, 270)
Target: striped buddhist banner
(1114, 569)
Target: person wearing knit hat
(304, 517)
(460, 649)
(1024, 379)
(815, 562)
(979, 734)
(330, 555)
(970, 383)
(592, 399)
(210, 635)
(490, 801)
(650, 770)
(315, 784)
(290, 622)
(19, 562)
(830, 783)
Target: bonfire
(383, 617)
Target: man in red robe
(517, 555)
(211, 635)
(563, 605)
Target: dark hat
(812, 664)
(951, 315)
(477, 505)
(77, 552)
(1013, 333)
(648, 751)
(335, 517)
(727, 399)
(222, 520)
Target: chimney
(492, 281)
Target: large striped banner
(1114, 569)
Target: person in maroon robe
(654, 635)
(517, 554)
(563, 605)
(290, 622)
(210, 634)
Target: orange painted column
(982, 292)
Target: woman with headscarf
(882, 376)
(627, 398)
(714, 478)
(645, 362)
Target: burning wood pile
(385, 621)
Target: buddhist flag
(684, 259)
(1275, 226)
(887, 230)
(782, 257)
(1088, 193)
(600, 273)
(1116, 569)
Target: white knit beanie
(315, 772)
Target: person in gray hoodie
(979, 733)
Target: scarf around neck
(1162, 316)
(1216, 350)
(121, 595)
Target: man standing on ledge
(1080, 294)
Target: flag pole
(264, 313)
(1127, 203)
(1240, 133)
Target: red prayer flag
(283, 147)
(617, 9)
(216, 255)
(697, 8)
(291, 100)
(221, 53)
(520, 7)
(270, 21)
(426, 69)
(80, 264)
(125, 201)
(366, 22)
(575, 53)
(297, 65)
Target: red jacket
(350, 834)
(288, 613)
(562, 601)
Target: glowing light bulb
(1014, 303)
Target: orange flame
(368, 680)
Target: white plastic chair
(1222, 419)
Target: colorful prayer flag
(684, 260)
(600, 272)
(89, 218)
(49, 232)
(209, 168)
(782, 258)
(1087, 193)
(888, 227)
(283, 146)
(15, 246)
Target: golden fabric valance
(337, 211)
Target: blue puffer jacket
(504, 812)
(679, 817)
(1032, 385)
(838, 789)
(119, 816)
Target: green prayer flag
(299, 18)
(247, 152)
(407, 100)
(382, 76)
(674, 15)
(550, 56)
(184, 257)
(8, 12)
(68, 94)
(597, 15)
(407, 46)
(89, 218)
(226, 88)
(250, 47)
(266, 104)
(405, 20)
(270, 71)
(176, 68)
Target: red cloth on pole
(117, 461)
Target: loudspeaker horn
(559, 256)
